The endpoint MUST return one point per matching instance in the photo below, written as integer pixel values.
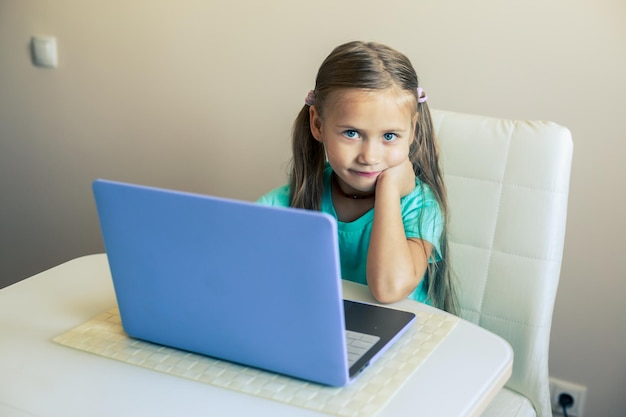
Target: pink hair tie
(310, 98)
(421, 95)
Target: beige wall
(200, 95)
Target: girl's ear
(316, 123)
(414, 120)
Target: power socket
(578, 393)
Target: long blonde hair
(372, 66)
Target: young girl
(364, 151)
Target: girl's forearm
(395, 264)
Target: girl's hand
(399, 179)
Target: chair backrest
(508, 184)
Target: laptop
(238, 281)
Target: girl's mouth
(366, 174)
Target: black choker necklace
(351, 196)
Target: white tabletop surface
(41, 378)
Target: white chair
(508, 184)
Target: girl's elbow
(386, 299)
(389, 295)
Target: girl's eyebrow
(343, 126)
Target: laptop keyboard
(358, 344)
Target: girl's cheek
(399, 156)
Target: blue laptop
(238, 281)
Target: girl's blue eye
(389, 136)
(351, 134)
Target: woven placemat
(366, 396)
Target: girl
(364, 151)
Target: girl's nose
(370, 153)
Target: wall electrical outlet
(578, 393)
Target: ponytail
(306, 183)
(424, 155)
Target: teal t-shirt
(354, 237)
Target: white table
(41, 378)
